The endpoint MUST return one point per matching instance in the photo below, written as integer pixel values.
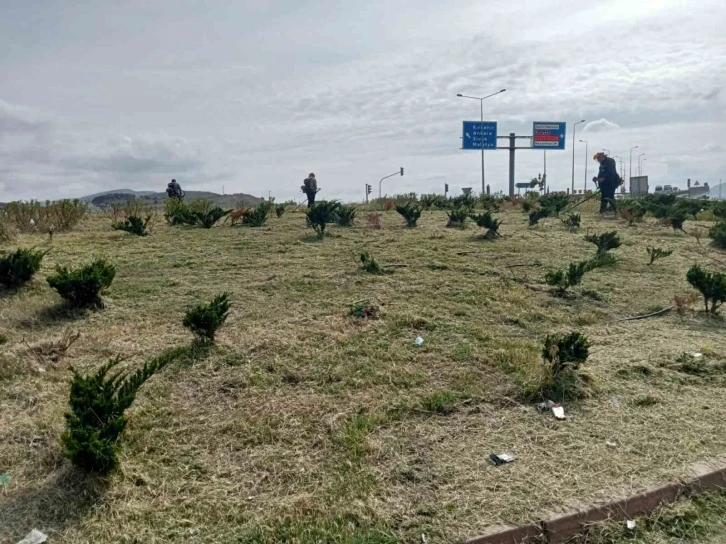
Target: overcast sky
(254, 95)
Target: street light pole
(574, 130)
(630, 171)
(641, 165)
(481, 112)
(639, 162)
(584, 190)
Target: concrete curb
(562, 528)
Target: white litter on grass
(630, 524)
(559, 412)
(34, 537)
(611, 444)
(697, 355)
(419, 341)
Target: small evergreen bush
(555, 202)
(257, 216)
(632, 211)
(486, 221)
(604, 242)
(133, 224)
(320, 214)
(18, 267)
(82, 287)
(676, 219)
(563, 356)
(364, 309)
(410, 212)
(718, 234)
(369, 264)
(345, 215)
(712, 286)
(204, 319)
(719, 209)
(457, 218)
(536, 215)
(572, 222)
(656, 253)
(280, 209)
(564, 279)
(209, 218)
(96, 419)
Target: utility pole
(584, 189)
(630, 171)
(544, 188)
(574, 130)
(481, 112)
(512, 147)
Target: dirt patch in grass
(302, 423)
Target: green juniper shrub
(689, 206)
(176, 212)
(572, 222)
(457, 218)
(489, 202)
(718, 234)
(632, 211)
(96, 419)
(712, 286)
(564, 279)
(280, 209)
(3, 340)
(204, 319)
(656, 253)
(345, 215)
(364, 309)
(604, 242)
(676, 219)
(556, 202)
(486, 221)
(209, 218)
(434, 202)
(257, 216)
(319, 215)
(563, 356)
(82, 287)
(463, 201)
(536, 215)
(134, 225)
(369, 264)
(18, 267)
(527, 206)
(410, 213)
(719, 209)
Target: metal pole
(574, 132)
(512, 142)
(483, 179)
(584, 190)
(630, 168)
(544, 188)
(379, 188)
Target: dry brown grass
(302, 423)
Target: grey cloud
(600, 125)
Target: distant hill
(121, 195)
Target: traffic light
(446, 188)
(368, 191)
(402, 170)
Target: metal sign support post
(512, 147)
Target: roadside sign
(548, 135)
(479, 135)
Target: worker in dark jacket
(310, 188)
(608, 181)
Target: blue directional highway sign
(548, 135)
(479, 135)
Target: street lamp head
(459, 94)
(582, 121)
(584, 141)
(502, 90)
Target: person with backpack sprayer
(607, 181)
(310, 188)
